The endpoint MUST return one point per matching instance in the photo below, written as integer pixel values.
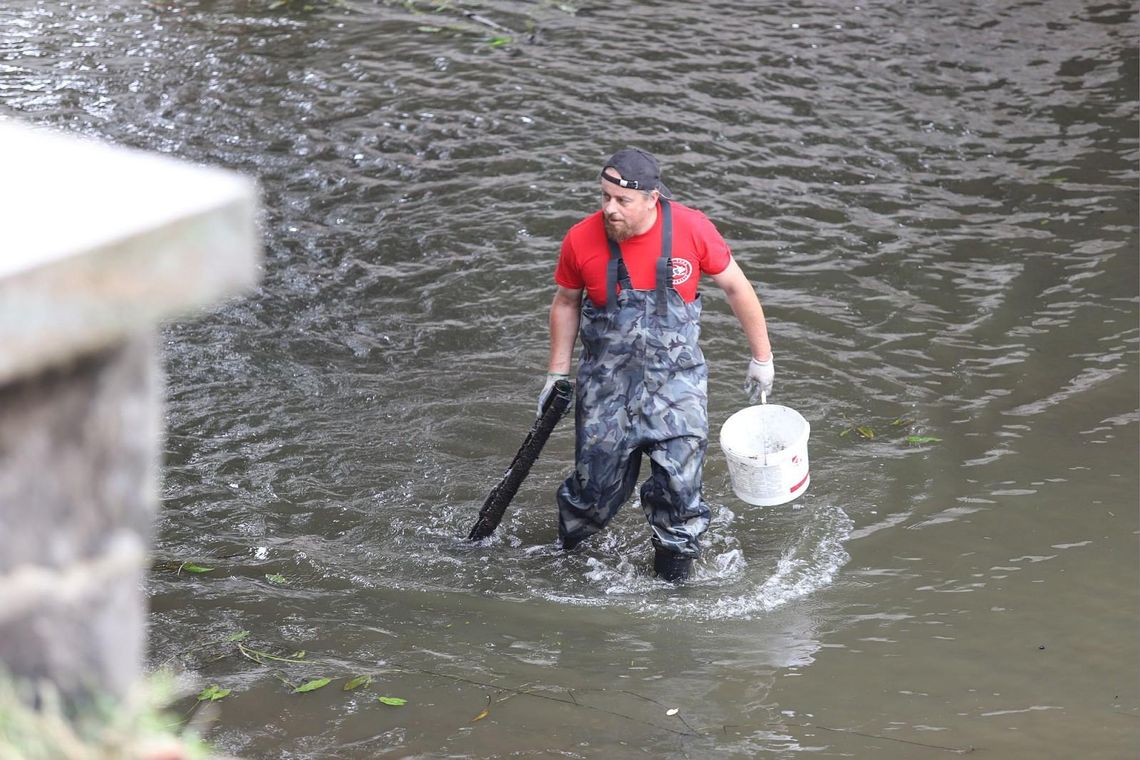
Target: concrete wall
(99, 247)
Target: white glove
(760, 376)
(551, 379)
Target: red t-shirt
(697, 248)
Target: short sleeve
(715, 253)
(567, 273)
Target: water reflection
(939, 206)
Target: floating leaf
(316, 683)
(429, 29)
(500, 41)
(190, 567)
(212, 693)
(899, 421)
(918, 440)
(865, 432)
(393, 701)
(357, 682)
(484, 712)
(276, 578)
(239, 636)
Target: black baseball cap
(638, 169)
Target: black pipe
(553, 408)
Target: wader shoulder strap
(615, 269)
(612, 274)
(664, 261)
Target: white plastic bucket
(766, 448)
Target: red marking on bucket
(797, 486)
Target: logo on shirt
(682, 271)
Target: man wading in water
(642, 379)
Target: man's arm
(746, 306)
(565, 312)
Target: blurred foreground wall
(98, 247)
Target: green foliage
(393, 701)
(212, 693)
(316, 683)
(865, 432)
(279, 663)
(357, 682)
(100, 728)
(919, 440)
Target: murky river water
(938, 203)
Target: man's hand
(551, 379)
(760, 377)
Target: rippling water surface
(938, 205)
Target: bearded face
(618, 230)
(627, 212)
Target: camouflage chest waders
(642, 389)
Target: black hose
(553, 408)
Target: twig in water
(943, 748)
(540, 695)
(677, 714)
(257, 656)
